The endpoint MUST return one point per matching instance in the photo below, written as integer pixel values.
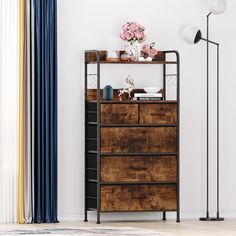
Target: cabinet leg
(98, 218)
(164, 216)
(85, 216)
(178, 217)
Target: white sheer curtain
(9, 74)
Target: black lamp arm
(209, 41)
(208, 14)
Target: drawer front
(139, 169)
(158, 139)
(119, 113)
(158, 113)
(138, 198)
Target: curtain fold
(9, 72)
(32, 101)
(45, 149)
(21, 112)
(27, 161)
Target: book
(154, 95)
(148, 98)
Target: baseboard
(139, 216)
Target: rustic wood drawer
(138, 139)
(158, 114)
(119, 113)
(138, 168)
(138, 198)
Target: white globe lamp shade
(217, 7)
(192, 34)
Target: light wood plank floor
(185, 228)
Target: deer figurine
(130, 81)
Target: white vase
(133, 49)
(138, 50)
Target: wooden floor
(185, 228)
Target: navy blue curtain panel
(45, 145)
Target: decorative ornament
(130, 81)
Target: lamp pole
(207, 212)
(217, 218)
(218, 134)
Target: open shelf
(93, 56)
(91, 97)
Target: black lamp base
(211, 219)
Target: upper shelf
(91, 58)
(133, 101)
(135, 62)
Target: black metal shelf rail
(133, 183)
(142, 211)
(132, 125)
(97, 154)
(141, 154)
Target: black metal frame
(217, 218)
(97, 153)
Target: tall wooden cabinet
(131, 147)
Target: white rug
(82, 231)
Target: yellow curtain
(21, 114)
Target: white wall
(86, 24)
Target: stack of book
(148, 96)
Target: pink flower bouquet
(133, 32)
(148, 50)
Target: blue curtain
(45, 117)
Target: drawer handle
(158, 114)
(119, 114)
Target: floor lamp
(193, 35)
